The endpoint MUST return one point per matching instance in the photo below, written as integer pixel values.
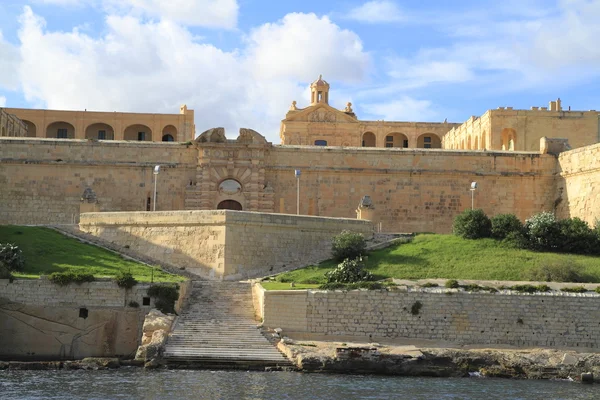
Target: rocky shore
(373, 358)
(86, 364)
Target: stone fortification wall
(578, 187)
(223, 244)
(41, 320)
(554, 320)
(44, 181)
(412, 190)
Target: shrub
(429, 285)
(543, 232)
(530, 288)
(165, 296)
(5, 273)
(575, 289)
(504, 224)
(11, 257)
(452, 284)
(597, 289)
(416, 308)
(64, 278)
(349, 271)
(472, 224)
(577, 237)
(351, 286)
(516, 240)
(558, 271)
(126, 280)
(332, 286)
(348, 245)
(134, 304)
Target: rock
(3, 365)
(155, 320)
(278, 330)
(101, 363)
(153, 364)
(569, 359)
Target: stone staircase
(217, 329)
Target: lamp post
(473, 187)
(297, 174)
(156, 171)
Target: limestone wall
(554, 320)
(578, 188)
(41, 320)
(412, 190)
(42, 181)
(223, 244)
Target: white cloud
(156, 66)
(377, 11)
(304, 45)
(9, 59)
(404, 109)
(2, 101)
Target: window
(389, 144)
(168, 138)
(101, 135)
(148, 204)
(141, 136)
(427, 145)
(405, 144)
(145, 301)
(320, 142)
(427, 139)
(389, 139)
(61, 133)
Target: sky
(240, 63)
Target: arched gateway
(229, 205)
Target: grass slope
(449, 257)
(46, 251)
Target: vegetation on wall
(165, 296)
(125, 280)
(64, 278)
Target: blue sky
(240, 63)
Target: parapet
(554, 145)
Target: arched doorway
(31, 128)
(169, 133)
(229, 205)
(138, 132)
(368, 140)
(429, 141)
(60, 130)
(396, 139)
(100, 131)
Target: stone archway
(60, 130)
(229, 205)
(100, 131)
(429, 141)
(369, 140)
(138, 132)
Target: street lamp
(297, 174)
(473, 187)
(156, 171)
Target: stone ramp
(217, 329)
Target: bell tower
(319, 91)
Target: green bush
(134, 304)
(577, 237)
(125, 280)
(516, 240)
(165, 296)
(565, 271)
(349, 271)
(543, 232)
(5, 273)
(348, 245)
(429, 285)
(505, 224)
(530, 288)
(352, 286)
(597, 289)
(452, 284)
(11, 257)
(64, 278)
(472, 224)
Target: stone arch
(213, 135)
(169, 133)
(429, 141)
(469, 142)
(100, 131)
(31, 128)
(60, 130)
(138, 132)
(483, 139)
(369, 140)
(229, 205)
(509, 139)
(396, 139)
(476, 144)
(462, 144)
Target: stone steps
(217, 329)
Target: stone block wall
(578, 187)
(223, 244)
(41, 320)
(42, 181)
(538, 320)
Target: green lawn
(46, 251)
(446, 257)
